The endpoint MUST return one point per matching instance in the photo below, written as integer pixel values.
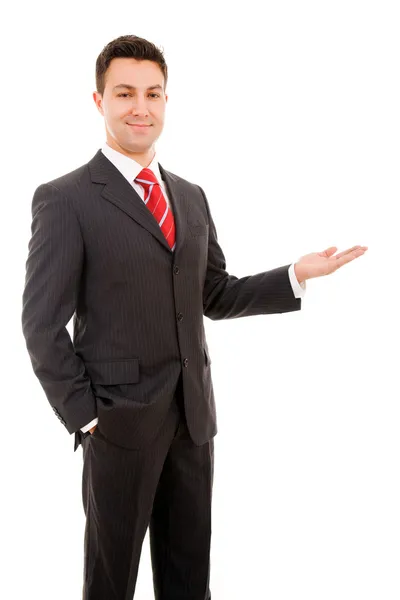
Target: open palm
(326, 262)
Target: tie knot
(146, 178)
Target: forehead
(137, 73)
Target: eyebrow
(132, 87)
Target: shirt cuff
(299, 289)
(90, 425)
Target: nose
(139, 106)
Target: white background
(287, 114)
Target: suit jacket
(96, 253)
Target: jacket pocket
(197, 228)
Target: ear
(98, 100)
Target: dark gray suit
(97, 253)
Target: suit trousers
(167, 487)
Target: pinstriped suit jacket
(97, 254)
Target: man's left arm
(277, 291)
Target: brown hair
(129, 46)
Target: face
(133, 106)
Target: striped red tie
(155, 201)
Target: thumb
(329, 251)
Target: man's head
(131, 79)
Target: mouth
(139, 125)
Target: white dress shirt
(130, 169)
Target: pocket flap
(198, 228)
(114, 372)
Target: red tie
(155, 201)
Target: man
(131, 251)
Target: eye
(122, 95)
(155, 95)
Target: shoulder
(64, 190)
(179, 180)
(62, 193)
(71, 181)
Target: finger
(347, 257)
(347, 251)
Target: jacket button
(176, 270)
(186, 362)
(180, 316)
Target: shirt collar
(128, 167)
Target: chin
(137, 148)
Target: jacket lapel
(119, 191)
(179, 203)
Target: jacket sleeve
(53, 272)
(227, 297)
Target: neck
(143, 158)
